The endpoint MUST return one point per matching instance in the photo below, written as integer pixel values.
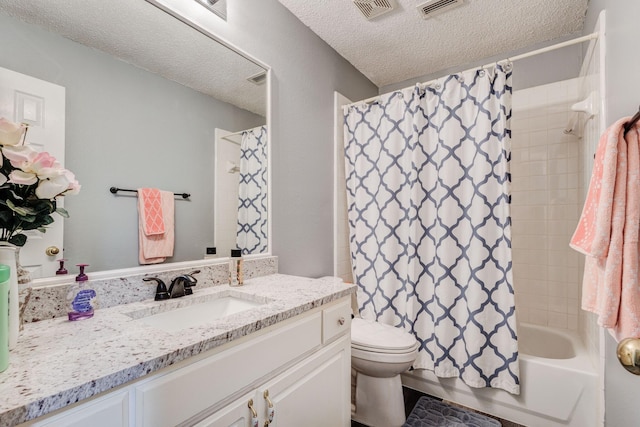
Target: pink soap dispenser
(80, 298)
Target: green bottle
(4, 317)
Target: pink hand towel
(608, 233)
(156, 248)
(150, 211)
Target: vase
(8, 256)
(24, 289)
(24, 277)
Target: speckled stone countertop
(57, 362)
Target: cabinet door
(314, 393)
(236, 414)
(108, 411)
(168, 400)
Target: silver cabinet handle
(629, 354)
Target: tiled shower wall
(545, 168)
(226, 195)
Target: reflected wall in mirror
(144, 95)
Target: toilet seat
(374, 337)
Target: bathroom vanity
(286, 358)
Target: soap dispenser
(235, 268)
(80, 298)
(61, 270)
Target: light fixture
(219, 7)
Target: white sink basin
(176, 317)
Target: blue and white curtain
(428, 190)
(252, 192)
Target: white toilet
(379, 354)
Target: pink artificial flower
(31, 166)
(74, 185)
(11, 133)
(53, 186)
(22, 178)
(18, 155)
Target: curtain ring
(438, 86)
(481, 73)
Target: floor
(411, 398)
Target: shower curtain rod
(240, 132)
(512, 58)
(231, 140)
(232, 134)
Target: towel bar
(115, 190)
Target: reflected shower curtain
(428, 189)
(252, 192)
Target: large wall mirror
(150, 101)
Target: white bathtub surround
(545, 173)
(48, 302)
(559, 390)
(429, 221)
(53, 366)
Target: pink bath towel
(156, 248)
(607, 233)
(150, 211)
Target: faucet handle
(190, 281)
(161, 289)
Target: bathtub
(558, 383)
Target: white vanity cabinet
(313, 393)
(303, 364)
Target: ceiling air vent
(434, 7)
(374, 8)
(219, 7)
(258, 79)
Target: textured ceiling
(141, 34)
(402, 45)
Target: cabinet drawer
(111, 410)
(336, 320)
(179, 395)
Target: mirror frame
(154, 268)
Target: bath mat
(434, 413)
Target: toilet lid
(379, 337)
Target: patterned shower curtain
(428, 190)
(252, 192)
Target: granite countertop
(57, 362)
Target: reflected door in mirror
(41, 105)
